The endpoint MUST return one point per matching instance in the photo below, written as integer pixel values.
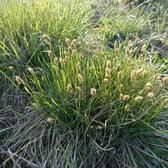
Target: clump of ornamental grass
(111, 101)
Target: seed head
(133, 74)
(106, 80)
(50, 120)
(46, 39)
(93, 91)
(11, 68)
(108, 64)
(50, 55)
(124, 97)
(143, 49)
(107, 72)
(158, 78)
(99, 127)
(140, 71)
(19, 80)
(121, 96)
(79, 89)
(127, 107)
(69, 88)
(148, 86)
(166, 101)
(35, 105)
(74, 42)
(138, 98)
(78, 66)
(62, 61)
(121, 87)
(118, 68)
(129, 61)
(66, 58)
(67, 41)
(150, 95)
(144, 72)
(165, 79)
(80, 78)
(107, 75)
(81, 56)
(130, 44)
(120, 75)
(30, 70)
(55, 60)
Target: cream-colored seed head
(55, 60)
(80, 78)
(35, 105)
(166, 102)
(69, 88)
(11, 68)
(121, 87)
(144, 72)
(165, 79)
(46, 39)
(121, 96)
(30, 70)
(50, 55)
(138, 98)
(143, 49)
(148, 86)
(129, 61)
(66, 58)
(133, 74)
(127, 107)
(93, 92)
(120, 75)
(67, 41)
(126, 97)
(150, 95)
(140, 71)
(158, 77)
(62, 61)
(107, 70)
(78, 66)
(108, 64)
(50, 120)
(106, 80)
(118, 68)
(19, 80)
(107, 75)
(79, 89)
(81, 56)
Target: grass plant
(69, 101)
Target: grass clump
(70, 101)
(79, 83)
(108, 100)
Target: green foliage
(109, 97)
(67, 100)
(28, 27)
(123, 22)
(64, 88)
